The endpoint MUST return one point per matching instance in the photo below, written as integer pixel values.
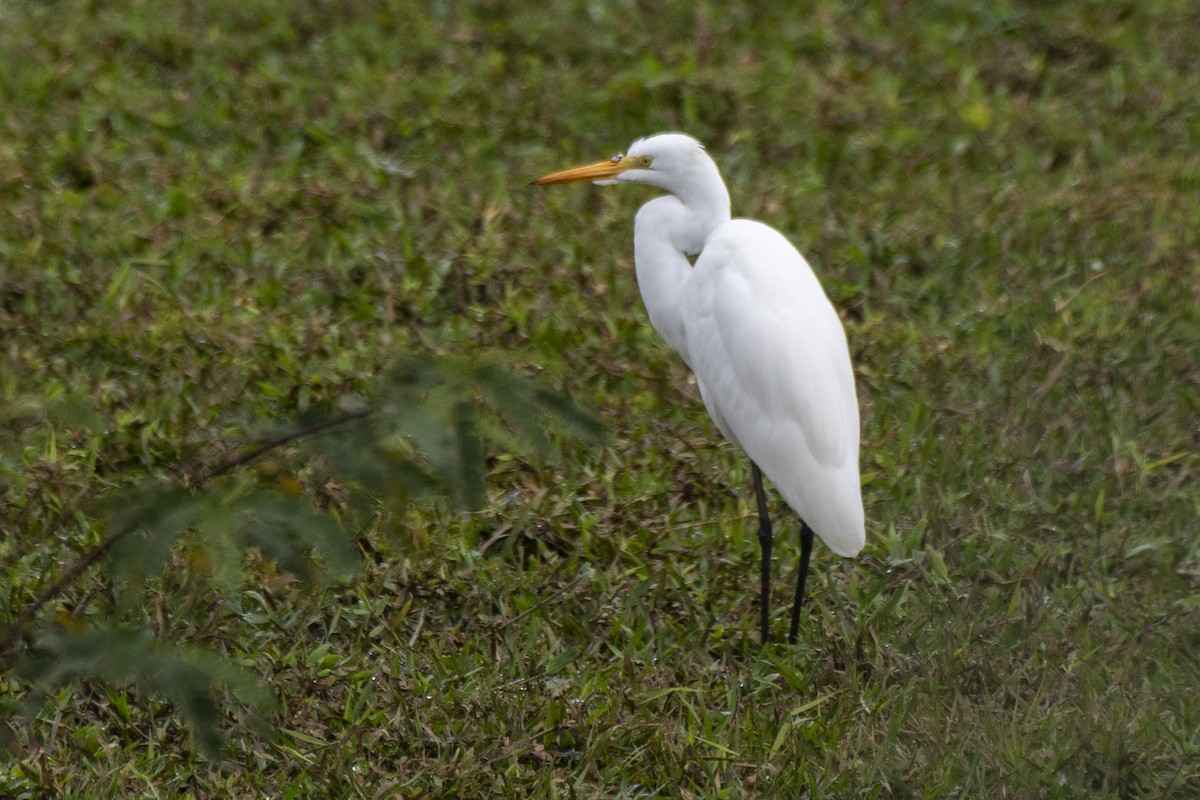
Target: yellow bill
(604, 170)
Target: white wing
(771, 360)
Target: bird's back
(773, 367)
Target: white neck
(666, 231)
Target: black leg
(764, 540)
(806, 546)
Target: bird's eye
(615, 159)
(645, 161)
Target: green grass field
(218, 213)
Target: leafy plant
(122, 656)
(424, 435)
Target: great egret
(752, 322)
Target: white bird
(753, 323)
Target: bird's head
(667, 160)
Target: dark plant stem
(266, 446)
(68, 577)
(20, 624)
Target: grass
(224, 212)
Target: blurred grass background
(212, 213)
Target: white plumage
(752, 321)
(777, 380)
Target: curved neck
(702, 206)
(665, 233)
